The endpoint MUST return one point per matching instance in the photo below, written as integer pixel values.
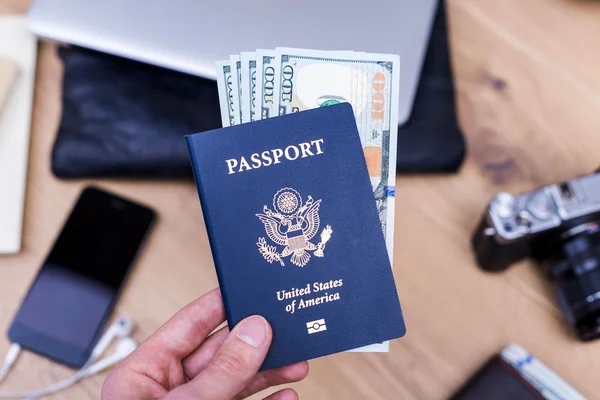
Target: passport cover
(295, 234)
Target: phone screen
(73, 295)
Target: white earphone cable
(57, 387)
(66, 383)
(9, 360)
(122, 329)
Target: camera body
(557, 225)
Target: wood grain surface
(528, 92)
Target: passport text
(275, 156)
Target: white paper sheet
(18, 44)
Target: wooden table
(529, 104)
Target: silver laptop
(190, 35)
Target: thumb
(234, 365)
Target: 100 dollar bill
(236, 73)
(248, 86)
(369, 82)
(265, 83)
(224, 86)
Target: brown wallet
(497, 380)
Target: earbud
(125, 347)
(121, 328)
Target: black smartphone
(66, 309)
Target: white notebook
(8, 70)
(18, 45)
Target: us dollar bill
(265, 83)
(248, 84)
(225, 88)
(236, 81)
(308, 79)
(284, 76)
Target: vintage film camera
(558, 226)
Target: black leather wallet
(431, 140)
(125, 119)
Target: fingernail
(253, 330)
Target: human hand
(181, 361)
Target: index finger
(186, 330)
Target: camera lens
(576, 271)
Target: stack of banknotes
(269, 83)
(549, 385)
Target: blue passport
(294, 232)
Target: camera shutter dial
(541, 205)
(502, 205)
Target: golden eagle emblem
(292, 224)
